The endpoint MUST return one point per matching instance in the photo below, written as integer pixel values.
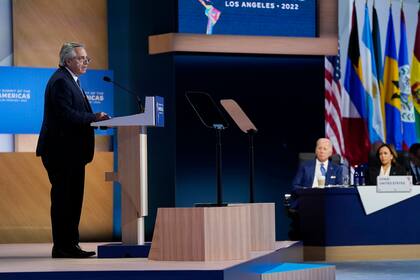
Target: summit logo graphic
(212, 14)
(15, 95)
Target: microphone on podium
(139, 103)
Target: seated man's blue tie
(323, 170)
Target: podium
(132, 166)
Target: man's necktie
(84, 96)
(323, 170)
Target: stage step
(300, 271)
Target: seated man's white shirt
(318, 172)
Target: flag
(391, 92)
(407, 109)
(333, 129)
(415, 77)
(370, 80)
(376, 37)
(355, 131)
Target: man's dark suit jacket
(416, 177)
(373, 172)
(305, 177)
(306, 172)
(66, 133)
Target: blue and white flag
(407, 108)
(371, 84)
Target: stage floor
(37, 258)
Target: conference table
(359, 223)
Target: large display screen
(295, 18)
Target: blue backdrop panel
(22, 97)
(243, 17)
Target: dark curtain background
(283, 95)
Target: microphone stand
(139, 103)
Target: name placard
(394, 183)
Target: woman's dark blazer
(373, 172)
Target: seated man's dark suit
(306, 172)
(66, 145)
(415, 172)
(305, 178)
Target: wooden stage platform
(33, 261)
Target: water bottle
(356, 176)
(346, 176)
(361, 176)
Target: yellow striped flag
(391, 91)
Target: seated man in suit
(307, 176)
(414, 155)
(311, 172)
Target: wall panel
(40, 27)
(25, 200)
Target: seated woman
(388, 166)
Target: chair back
(336, 158)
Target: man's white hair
(324, 140)
(67, 51)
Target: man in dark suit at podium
(66, 144)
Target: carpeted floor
(384, 270)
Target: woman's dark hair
(391, 149)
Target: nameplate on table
(394, 183)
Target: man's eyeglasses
(83, 59)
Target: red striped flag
(354, 110)
(333, 116)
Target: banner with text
(22, 97)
